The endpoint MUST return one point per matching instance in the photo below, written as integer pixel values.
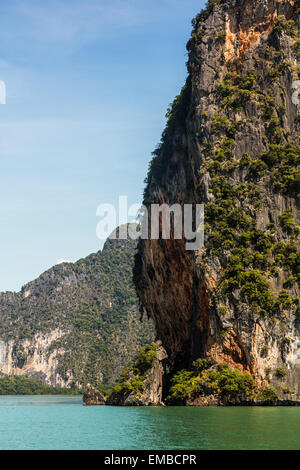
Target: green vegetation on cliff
(132, 377)
(205, 378)
(175, 117)
(237, 190)
(85, 313)
(268, 395)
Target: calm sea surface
(61, 422)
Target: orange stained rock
(226, 352)
(247, 38)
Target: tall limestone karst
(232, 143)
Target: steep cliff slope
(232, 143)
(77, 323)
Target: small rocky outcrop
(142, 384)
(92, 396)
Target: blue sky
(88, 83)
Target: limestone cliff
(232, 143)
(77, 323)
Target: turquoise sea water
(61, 422)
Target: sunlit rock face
(2, 352)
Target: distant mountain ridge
(77, 322)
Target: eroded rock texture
(152, 384)
(92, 396)
(231, 142)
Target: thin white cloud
(77, 20)
(86, 20)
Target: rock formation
(142, 385)
(92, 396)
(232, 143)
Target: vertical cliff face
(232, 143)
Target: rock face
(35, 358)
(152, 384)
(153, 393)
(232, 143)
(92, 396)
(77, 323)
